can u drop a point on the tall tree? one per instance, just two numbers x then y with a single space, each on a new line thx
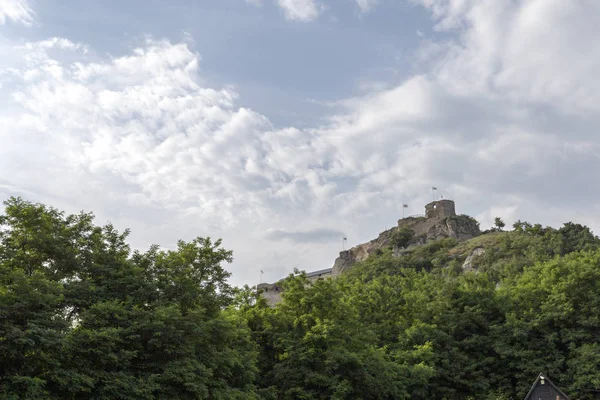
84 317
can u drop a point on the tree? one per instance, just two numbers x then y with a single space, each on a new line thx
552 323
402 237
84 317
576 237
521 227
314 346
498 223
38 252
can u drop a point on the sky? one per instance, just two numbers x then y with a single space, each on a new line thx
282 126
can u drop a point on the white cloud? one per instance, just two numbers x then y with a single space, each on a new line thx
17 11
142 118
496 119
55 43
366 5
297 10
539 51
318 235
300 10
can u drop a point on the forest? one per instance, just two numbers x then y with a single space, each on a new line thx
85 316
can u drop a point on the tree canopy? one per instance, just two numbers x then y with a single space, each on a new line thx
83 316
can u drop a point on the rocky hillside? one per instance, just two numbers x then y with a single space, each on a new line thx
439 222
410 232
443 239
447 319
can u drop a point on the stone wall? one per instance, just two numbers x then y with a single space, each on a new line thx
316 275
271 292
440 209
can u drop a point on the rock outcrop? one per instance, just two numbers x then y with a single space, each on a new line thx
470 263
361 252
440 221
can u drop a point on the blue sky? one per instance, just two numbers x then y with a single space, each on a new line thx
271 60
284 125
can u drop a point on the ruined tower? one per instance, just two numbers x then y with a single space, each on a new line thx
440 209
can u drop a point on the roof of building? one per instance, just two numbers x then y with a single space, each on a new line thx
537 381
319 272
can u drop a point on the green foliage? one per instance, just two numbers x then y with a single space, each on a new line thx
465 219
498 223
552 321
454 335
84 317
315 347
402 237
576 237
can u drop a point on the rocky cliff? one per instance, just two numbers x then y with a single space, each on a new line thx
361 252
440 222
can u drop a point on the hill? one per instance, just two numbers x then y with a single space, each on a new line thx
477 318
439 221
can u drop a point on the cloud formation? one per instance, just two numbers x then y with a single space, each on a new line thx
17 11
366 5
321 235
300 10
493 116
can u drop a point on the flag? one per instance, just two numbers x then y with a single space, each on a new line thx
345 238
261 271
434 188
405 205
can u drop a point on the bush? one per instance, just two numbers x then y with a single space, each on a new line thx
402 237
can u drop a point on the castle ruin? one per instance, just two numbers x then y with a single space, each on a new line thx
440 209
440 221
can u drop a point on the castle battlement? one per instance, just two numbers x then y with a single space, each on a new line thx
440 209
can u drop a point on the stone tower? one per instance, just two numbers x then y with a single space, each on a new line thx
440 209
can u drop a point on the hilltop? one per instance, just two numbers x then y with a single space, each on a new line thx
444 317
441 238
439 221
